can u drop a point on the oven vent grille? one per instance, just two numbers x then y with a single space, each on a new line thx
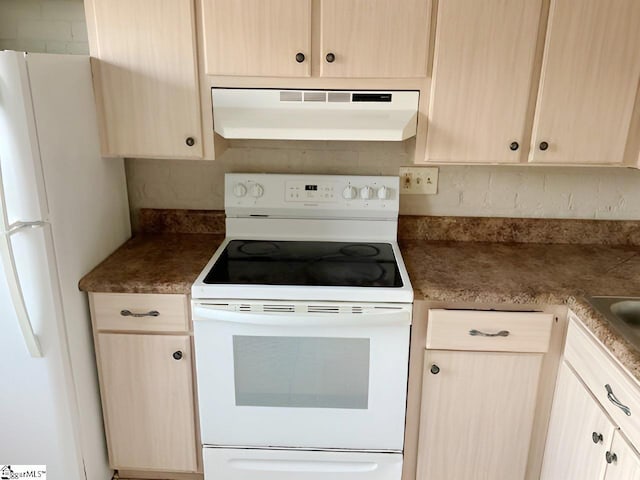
334 309
278 308
244 307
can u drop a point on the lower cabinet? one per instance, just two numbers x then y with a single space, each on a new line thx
145 367
623 462
479 394
579 433
583 442
148 401
587 437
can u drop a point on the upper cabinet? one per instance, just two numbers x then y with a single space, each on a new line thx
589 82
145 75
491 60
482 78
374 38
357 38
257 37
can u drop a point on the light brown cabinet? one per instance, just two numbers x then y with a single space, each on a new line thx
503 93
479 401
483 72
148 401
625 460
146 381
145 77
594 423
374 38
583 442
589 83
270 38
356 38
579 432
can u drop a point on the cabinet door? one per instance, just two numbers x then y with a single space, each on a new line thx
483 72
148 402
589 82
571 452
257 37
146 77
375 38
477 414
626 465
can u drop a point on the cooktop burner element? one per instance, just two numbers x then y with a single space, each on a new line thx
306 263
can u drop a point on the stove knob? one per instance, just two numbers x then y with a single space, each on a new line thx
383 193
257 190
239 190
349 192
365 192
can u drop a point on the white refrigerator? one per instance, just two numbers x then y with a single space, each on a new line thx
63 209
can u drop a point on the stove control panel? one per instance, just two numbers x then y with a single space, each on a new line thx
310 191
328 195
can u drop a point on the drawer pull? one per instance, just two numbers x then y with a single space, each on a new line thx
596 437
612 398
478 333
129 313
611 457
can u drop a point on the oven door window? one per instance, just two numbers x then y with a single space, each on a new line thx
301 372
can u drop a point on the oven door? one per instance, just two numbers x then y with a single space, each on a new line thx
289 378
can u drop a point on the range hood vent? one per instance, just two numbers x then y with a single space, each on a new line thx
273 114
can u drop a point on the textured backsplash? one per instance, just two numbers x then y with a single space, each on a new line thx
487 191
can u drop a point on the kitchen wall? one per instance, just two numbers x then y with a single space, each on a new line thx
604 193
513 191
53 26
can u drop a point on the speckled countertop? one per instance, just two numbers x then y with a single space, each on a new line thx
154 263
440 270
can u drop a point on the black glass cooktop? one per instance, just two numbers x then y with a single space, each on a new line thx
335 264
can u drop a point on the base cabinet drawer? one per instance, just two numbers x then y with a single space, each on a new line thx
489 331
148 402
138 312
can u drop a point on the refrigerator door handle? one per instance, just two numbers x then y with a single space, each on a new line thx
11 273
14 227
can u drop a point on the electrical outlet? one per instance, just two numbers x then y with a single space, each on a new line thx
418 180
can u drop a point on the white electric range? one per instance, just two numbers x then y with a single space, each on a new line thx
301 327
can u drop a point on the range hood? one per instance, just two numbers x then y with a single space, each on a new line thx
276 114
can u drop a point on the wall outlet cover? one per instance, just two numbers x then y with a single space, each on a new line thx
418 180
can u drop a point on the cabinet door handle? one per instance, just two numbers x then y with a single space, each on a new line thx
596 437
190 141
611 457
478 333
300 57
129 313
331 57
177 355
612 398
435 369
514 146
544 146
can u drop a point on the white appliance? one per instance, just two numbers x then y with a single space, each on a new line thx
276 114
62 210
301 328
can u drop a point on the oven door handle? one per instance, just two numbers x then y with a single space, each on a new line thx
386 317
